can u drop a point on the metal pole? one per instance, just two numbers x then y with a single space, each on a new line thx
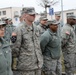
46 10
22 6
51 15
59 31
62 21
62 12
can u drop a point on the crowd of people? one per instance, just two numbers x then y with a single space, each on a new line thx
31 49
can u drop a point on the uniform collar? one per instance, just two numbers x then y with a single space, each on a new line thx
70 25
28 27
51 32
43 26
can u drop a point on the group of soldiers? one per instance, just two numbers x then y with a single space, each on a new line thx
31 49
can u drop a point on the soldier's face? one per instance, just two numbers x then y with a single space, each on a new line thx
57 18
54 27
2 30
9 22
30 17
6 21
72 21
43 22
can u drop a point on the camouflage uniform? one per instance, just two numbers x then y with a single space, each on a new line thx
42 26
8 33
50 47
68 48
8 30
41 29
7 53
75 44
27 50
5 57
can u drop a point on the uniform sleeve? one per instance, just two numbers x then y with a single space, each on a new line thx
65 34
43 42
16 46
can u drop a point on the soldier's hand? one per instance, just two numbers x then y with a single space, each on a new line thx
14 34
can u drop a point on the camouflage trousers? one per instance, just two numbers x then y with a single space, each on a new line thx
69 63
51 66
75 62
33 72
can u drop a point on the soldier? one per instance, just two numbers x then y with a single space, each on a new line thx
5 53
68 45
42 25
9 30
2 26
6 20
58 18
26 48
75 40
10 27
10 24
50 47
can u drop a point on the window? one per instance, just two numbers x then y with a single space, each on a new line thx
4 12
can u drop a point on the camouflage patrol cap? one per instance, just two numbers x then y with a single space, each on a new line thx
5 19
71 16
58 13
9 19
2 23
43 18
29 10
51 22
